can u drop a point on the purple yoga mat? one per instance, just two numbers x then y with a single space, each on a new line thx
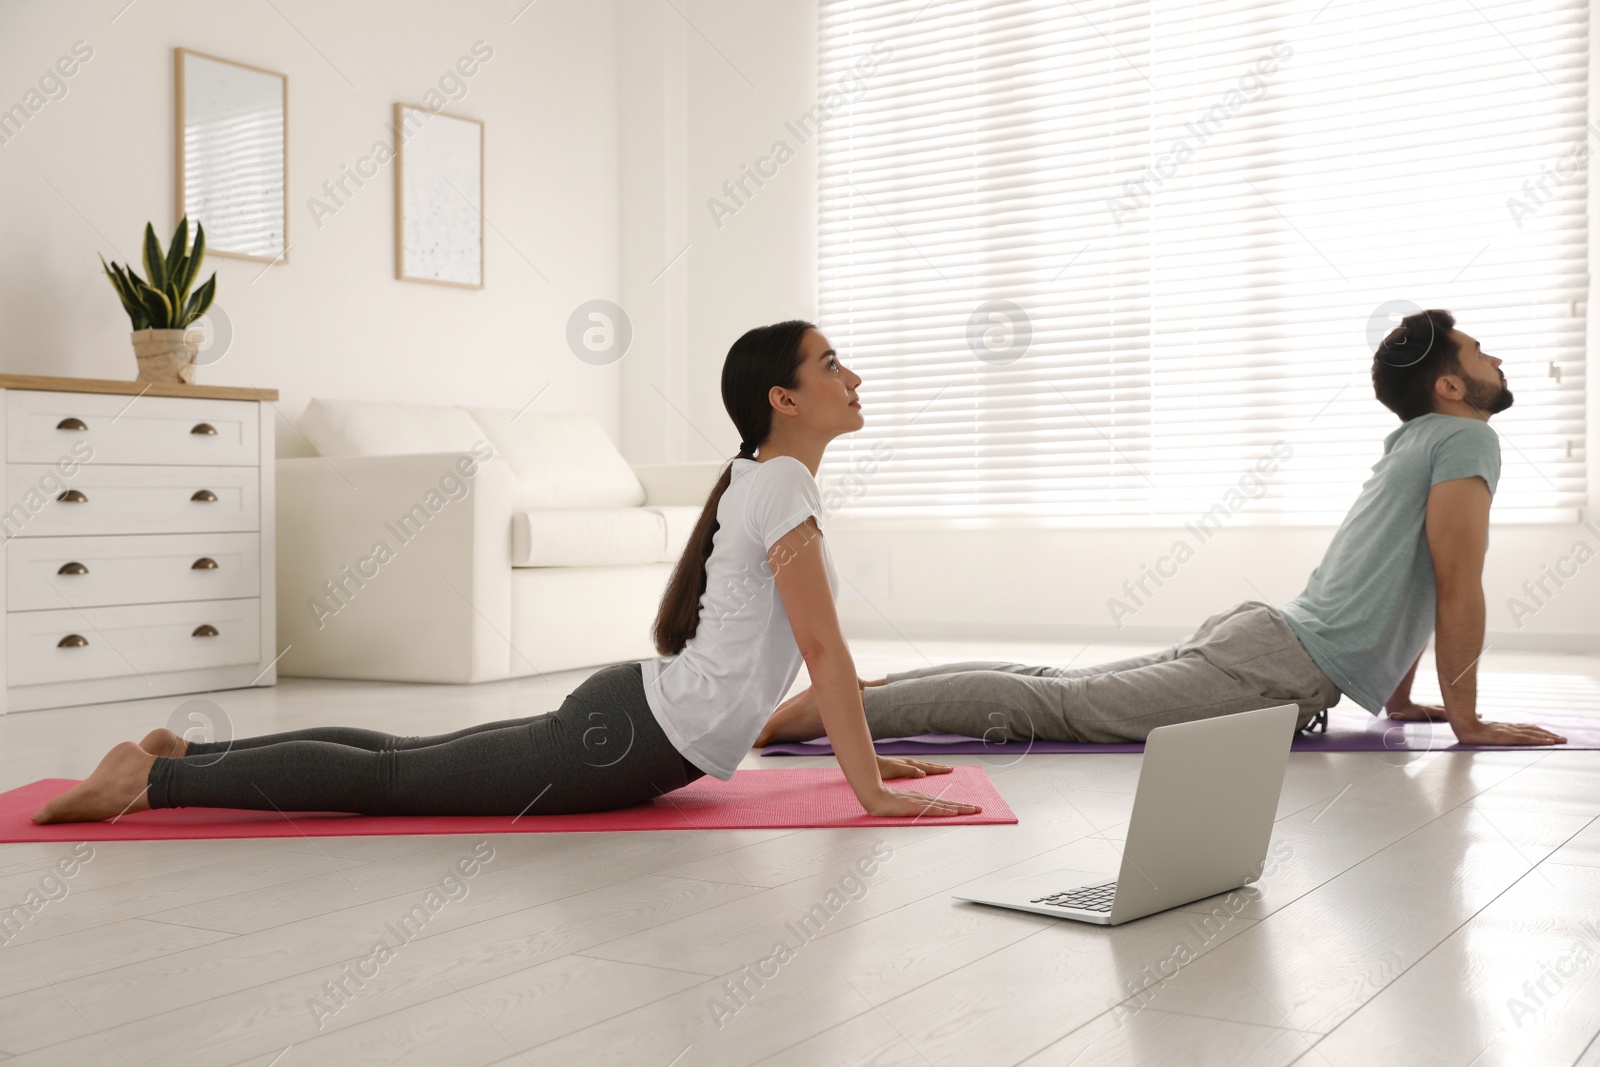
1348 731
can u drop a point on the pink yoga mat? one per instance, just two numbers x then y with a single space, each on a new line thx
794 797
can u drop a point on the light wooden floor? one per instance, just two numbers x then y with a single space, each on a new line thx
1429 908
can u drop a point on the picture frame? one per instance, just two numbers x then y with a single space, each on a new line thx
439 194
232 149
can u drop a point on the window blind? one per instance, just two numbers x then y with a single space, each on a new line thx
1109 262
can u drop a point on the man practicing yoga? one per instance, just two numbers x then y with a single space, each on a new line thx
1406 560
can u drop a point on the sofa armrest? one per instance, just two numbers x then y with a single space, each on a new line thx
396 568
668 484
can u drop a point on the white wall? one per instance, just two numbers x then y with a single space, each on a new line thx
703 92
710 89
89 169
609 126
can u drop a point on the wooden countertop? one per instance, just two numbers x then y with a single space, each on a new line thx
109 385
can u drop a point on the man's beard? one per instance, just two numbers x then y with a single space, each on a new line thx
1489 398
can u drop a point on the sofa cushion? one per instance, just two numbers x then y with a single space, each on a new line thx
370 428
560 461
679 525
599 537
586 537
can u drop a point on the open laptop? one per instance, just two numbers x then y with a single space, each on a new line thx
1202 820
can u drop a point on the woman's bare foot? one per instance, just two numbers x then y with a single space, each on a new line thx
796 719
117 786
163 742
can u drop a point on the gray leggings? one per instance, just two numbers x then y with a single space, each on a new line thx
602 749
1241 659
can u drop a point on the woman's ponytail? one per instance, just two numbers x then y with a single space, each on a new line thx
764 358
679 615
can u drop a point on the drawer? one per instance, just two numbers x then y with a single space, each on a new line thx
132 641
116 500
45 573
42 427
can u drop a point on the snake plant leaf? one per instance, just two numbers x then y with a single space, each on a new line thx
175 300
154 265
197 254
155 301
130 296
124 287
117 281
178 248
126 290
126 293
200 302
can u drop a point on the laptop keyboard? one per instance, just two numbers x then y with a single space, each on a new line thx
1088 898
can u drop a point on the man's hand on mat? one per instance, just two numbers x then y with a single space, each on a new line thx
1411 711
894 803
1478 733
1506 733
894 767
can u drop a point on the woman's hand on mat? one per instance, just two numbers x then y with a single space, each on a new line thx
1411 711
895 803
894 767
1506 733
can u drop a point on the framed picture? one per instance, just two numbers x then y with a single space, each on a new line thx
438 177
233 155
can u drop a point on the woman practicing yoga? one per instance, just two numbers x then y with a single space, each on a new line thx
751 597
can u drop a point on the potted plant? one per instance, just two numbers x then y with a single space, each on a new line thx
162 308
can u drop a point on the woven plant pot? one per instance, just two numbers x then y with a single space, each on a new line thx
165 355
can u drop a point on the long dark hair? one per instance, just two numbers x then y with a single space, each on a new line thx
764 357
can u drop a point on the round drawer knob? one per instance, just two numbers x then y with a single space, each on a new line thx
73 641
204 428
71 496
205 629
205 496
204 563
73 568
70 423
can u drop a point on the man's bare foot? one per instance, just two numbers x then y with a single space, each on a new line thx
163 742
117 786
1417 713
796 719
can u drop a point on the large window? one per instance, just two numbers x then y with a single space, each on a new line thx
1114 262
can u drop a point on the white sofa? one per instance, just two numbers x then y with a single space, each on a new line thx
430 543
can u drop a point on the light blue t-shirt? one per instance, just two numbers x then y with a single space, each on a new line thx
1368 610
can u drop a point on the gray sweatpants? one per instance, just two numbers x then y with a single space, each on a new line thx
1241 659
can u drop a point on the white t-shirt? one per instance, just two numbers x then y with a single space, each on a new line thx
712 698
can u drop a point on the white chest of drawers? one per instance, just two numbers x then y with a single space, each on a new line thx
138 529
